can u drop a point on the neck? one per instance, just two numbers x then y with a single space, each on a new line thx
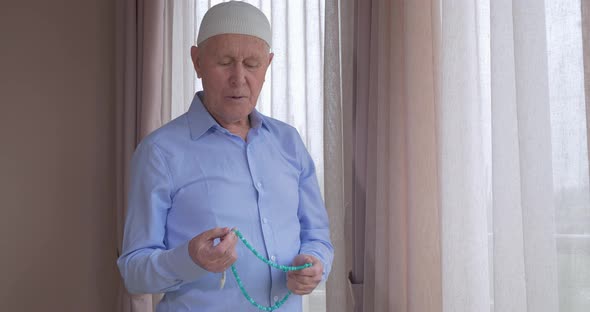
239 128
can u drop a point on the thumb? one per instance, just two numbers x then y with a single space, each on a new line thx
302 259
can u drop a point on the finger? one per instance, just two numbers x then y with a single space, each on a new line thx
302 259
312 281
298 288
304 272
303 280
303 283
311 271
230 260
214 233
223 264
228 241
315 269
229 233
218 255
230 255
227 246
293 286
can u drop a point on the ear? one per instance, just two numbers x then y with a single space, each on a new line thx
196 60
270 58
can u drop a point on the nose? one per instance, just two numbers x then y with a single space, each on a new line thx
238 75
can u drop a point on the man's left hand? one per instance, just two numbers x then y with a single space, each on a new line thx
304 281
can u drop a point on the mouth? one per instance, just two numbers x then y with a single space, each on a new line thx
236 97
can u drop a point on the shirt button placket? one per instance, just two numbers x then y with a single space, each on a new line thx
259 186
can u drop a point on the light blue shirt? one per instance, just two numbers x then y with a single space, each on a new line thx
192 175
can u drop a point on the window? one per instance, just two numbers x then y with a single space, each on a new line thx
569 146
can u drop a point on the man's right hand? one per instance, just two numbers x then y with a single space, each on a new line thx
211 257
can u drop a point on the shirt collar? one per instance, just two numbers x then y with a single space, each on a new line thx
257 120
200 121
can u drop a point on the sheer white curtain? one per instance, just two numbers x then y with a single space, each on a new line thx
569 137
468 149
293 91
524 253
543 219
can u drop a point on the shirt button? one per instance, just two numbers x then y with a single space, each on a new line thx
276 298
259 184
273 258
264 220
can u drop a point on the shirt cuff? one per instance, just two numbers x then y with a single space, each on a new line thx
321 255
180 263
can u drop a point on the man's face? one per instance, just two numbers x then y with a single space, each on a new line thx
232 68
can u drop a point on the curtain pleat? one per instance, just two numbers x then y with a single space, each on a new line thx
421 41
509 265
461 172
586 52
396 261
524 211
337 296
397 249
139 59
360 87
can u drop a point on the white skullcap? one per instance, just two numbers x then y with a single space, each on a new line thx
234 17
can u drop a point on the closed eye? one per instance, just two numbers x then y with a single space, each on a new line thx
224 61
252 65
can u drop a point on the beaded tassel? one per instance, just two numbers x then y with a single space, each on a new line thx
222 281
275 265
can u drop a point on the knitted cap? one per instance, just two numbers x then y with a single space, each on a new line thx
234 17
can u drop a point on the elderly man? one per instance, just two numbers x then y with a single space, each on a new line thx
221 170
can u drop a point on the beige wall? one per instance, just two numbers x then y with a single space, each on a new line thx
57 244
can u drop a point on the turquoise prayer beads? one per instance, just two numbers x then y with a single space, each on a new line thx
275 265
